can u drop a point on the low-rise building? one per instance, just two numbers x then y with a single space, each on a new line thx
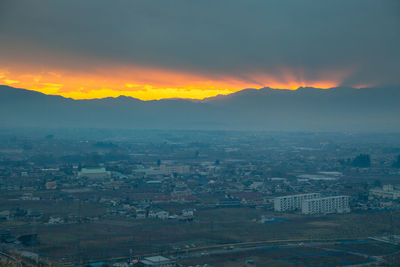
4 215
158 214
94 173
188 212
56 220
387 191
140 214
157 261
51 185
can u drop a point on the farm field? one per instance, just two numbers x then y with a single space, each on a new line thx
110 237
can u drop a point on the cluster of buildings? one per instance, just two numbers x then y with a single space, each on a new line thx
387 191
170 177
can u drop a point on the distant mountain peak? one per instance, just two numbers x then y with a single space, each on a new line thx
304 109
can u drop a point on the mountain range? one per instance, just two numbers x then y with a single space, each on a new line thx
304 109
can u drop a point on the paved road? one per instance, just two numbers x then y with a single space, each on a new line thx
277 244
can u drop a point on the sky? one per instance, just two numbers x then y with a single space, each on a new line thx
153 49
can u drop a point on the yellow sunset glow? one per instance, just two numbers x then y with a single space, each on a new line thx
151 84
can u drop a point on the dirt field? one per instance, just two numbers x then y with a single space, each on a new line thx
114 236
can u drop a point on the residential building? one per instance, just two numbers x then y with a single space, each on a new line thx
324 205
293 202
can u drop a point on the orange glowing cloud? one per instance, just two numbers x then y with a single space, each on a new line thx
151 83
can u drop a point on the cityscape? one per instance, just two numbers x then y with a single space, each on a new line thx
162 198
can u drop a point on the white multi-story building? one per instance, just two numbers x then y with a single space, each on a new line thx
324 205
293 202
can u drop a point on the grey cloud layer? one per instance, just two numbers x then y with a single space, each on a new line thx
210 36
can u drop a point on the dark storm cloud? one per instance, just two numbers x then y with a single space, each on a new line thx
209 36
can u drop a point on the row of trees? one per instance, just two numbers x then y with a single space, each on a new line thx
364 161
396 164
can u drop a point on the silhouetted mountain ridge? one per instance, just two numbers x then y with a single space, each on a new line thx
304 109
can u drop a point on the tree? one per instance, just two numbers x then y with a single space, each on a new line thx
49 136
396 164
362 161
377 183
